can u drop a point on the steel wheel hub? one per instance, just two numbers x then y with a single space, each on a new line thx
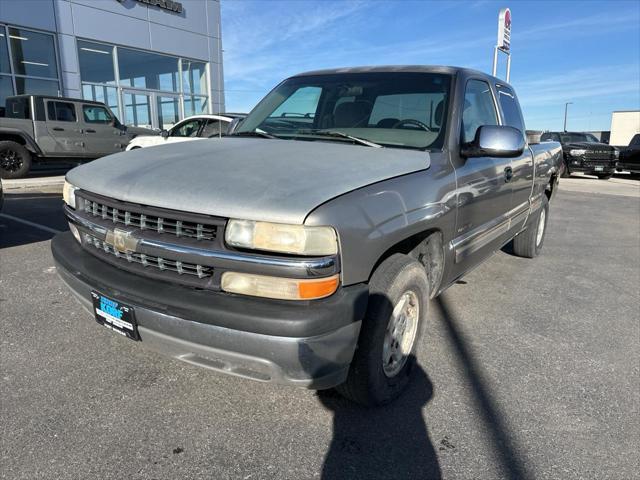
401 334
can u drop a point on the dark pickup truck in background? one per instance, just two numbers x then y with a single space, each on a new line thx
303 249
41 128
630 156
583 152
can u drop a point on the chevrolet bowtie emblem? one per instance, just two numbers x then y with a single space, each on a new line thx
122 240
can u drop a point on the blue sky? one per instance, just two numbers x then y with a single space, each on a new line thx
585 52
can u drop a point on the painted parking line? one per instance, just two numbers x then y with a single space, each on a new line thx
31 224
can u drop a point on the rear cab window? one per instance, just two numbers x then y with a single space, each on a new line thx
61 111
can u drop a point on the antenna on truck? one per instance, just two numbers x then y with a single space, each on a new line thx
504 40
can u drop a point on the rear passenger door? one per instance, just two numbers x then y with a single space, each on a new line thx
522 166
483 191
65 132
101 135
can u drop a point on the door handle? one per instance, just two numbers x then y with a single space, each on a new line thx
508 174
90 130
58 129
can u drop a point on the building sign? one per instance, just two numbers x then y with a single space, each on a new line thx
168 5
504 30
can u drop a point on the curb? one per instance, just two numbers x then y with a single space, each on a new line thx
32 183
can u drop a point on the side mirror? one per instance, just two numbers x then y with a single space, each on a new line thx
164 133
495 141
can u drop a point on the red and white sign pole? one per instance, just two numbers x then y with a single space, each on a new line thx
504 40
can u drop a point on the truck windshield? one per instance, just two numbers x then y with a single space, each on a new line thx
578 137
390 109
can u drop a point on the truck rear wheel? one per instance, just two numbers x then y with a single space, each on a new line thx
529 243
15 160
385 355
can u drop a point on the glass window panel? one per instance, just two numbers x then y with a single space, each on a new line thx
213 128
148 70
34 86
168 112
61 111
106 95
96 62
188 128
479 109
6 90
95 114
33 53
4 52
137 109
194 77
195 105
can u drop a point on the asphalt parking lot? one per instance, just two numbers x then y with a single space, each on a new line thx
529 369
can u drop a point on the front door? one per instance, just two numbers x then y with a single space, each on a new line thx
65 135
102 137
137 109
484 191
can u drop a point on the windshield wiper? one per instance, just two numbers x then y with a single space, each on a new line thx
334 133
253 133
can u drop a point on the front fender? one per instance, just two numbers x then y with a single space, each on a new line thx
373 219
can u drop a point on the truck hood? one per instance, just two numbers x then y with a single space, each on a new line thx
248 178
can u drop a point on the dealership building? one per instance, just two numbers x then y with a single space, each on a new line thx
153 62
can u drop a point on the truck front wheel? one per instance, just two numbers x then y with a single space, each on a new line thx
385 355
15 160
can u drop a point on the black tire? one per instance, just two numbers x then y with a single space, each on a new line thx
604 176
15 160
367 383
527 244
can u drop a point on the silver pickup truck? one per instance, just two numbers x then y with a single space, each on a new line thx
40 128
304 248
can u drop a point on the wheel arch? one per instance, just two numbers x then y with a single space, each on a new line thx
18 136
427 247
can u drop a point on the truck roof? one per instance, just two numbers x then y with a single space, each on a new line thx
403 68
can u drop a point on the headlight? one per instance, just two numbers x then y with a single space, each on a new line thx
280 288
282 238
616 154
69 194
577 152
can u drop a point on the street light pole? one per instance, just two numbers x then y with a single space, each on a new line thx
566 105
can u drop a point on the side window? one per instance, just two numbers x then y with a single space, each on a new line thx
510 108
95 114
545 137
186 129
61 111
213 128
479 109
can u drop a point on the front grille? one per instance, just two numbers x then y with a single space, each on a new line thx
150 261
165 225
599 155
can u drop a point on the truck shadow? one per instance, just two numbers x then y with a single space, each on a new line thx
388 442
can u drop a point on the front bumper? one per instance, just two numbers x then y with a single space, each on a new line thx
307 344
578 164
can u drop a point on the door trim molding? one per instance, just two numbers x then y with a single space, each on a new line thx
467 244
